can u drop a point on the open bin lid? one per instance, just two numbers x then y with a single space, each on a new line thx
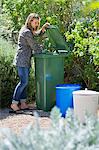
56 39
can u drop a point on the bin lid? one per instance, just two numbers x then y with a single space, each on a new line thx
85 92
68 86
56 39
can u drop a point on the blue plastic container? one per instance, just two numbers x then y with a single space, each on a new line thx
64 96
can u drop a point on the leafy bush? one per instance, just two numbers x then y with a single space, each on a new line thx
5 22
55 11
85 56
8 74
63 134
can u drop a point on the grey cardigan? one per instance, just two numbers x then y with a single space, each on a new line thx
27 45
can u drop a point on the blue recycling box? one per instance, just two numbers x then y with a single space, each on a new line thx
64 96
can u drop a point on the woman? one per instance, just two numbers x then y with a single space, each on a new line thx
26 47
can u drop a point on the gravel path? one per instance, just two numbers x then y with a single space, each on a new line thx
18 121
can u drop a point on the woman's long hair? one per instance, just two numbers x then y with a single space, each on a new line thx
30 18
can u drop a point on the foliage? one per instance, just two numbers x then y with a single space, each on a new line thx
63 134
89 6
7 74
84 37
54 11
5 32
5 28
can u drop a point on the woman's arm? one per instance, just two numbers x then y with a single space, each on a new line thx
42 30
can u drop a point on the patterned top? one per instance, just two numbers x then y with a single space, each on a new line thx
27 45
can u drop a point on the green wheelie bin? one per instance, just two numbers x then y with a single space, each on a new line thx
49 71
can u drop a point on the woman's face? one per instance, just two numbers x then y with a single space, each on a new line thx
35 23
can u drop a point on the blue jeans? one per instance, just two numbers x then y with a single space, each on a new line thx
20 92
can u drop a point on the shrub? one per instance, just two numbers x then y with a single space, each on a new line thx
55 11
8 75
85 57
63 134
5 31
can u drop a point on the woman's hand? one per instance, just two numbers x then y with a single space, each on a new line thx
45 26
